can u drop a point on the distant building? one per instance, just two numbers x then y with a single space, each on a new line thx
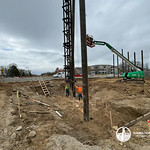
99 69
78 70
103 69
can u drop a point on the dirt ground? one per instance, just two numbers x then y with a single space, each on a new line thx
41 128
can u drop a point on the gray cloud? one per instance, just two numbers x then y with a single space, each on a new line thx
123 24
31 31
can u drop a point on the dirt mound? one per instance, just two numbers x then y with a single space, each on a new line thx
66 142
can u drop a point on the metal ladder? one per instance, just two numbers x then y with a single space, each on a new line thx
43 86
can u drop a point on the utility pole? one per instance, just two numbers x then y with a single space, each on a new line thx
72 39
84 60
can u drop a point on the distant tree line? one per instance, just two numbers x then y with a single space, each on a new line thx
13 71
47 74
52 73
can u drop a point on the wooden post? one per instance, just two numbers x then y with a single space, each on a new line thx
18 104
148 121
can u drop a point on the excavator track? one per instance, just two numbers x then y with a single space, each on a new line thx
134 81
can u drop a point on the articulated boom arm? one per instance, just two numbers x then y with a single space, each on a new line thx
122 57
91 43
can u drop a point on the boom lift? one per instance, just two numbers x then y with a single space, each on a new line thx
137 74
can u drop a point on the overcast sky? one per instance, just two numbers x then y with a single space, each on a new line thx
31 32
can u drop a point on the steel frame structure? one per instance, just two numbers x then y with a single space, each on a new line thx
67 25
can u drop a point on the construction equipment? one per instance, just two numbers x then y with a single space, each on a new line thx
137 74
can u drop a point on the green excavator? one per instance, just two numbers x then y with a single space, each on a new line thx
138 74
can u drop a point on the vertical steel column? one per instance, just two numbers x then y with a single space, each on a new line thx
72 60
128 59
122 62
134 58
142 63
84 60
125 66
118 65
114 65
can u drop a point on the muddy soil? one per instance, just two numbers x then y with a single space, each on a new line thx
40 127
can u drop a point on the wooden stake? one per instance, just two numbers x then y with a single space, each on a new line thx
95 100
81 109
74 102
78 103
106 106
110 118
18 104
148 121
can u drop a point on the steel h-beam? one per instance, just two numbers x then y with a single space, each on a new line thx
118 65
128 59
67 19
135 58
122 62
142 63
72 57
114 65
84 60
